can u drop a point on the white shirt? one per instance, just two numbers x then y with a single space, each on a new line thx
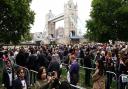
24 84
10 78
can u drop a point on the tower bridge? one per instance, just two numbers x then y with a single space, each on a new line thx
70 17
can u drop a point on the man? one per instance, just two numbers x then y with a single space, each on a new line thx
54 65
87 63
8 75
74 71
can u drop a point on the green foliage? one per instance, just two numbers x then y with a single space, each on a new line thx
26 37
16 18
108 20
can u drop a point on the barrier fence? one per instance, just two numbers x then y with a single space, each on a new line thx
33 77
77 87
123 81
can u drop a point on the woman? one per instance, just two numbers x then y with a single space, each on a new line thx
98 76
43 82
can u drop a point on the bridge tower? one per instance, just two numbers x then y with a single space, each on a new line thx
70 22
50 26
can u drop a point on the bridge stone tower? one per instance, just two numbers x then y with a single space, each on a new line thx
49 26
70 22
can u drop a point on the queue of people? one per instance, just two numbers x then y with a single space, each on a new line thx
47 59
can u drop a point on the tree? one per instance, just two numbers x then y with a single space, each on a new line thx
108 20
27 37
16 18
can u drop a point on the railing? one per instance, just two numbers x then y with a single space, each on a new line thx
77 87
123 81
33 77
114 75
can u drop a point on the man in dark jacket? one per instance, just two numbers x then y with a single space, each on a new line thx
20 58
8 75
42 60
54 66
32 61
74 71
87 63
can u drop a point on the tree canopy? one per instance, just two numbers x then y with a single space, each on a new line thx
16 19
109 20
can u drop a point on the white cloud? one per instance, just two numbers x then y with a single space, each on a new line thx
42 7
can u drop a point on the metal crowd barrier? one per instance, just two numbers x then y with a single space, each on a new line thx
115 76
123 81
77 87
87 68
33 77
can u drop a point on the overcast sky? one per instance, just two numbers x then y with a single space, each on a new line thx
42 7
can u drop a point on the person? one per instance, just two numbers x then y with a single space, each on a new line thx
11 58
65 85
20 82
8 75
123 69
74 71
109 67
98 77
87 63
42 59
43 81
55 80
54 66
20 58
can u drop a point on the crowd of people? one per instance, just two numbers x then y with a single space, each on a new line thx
47 60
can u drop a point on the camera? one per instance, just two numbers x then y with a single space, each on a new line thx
51 73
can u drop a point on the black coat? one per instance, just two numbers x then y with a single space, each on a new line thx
21 59
87 61
42 60
54 66
5 77
17 84
32 62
